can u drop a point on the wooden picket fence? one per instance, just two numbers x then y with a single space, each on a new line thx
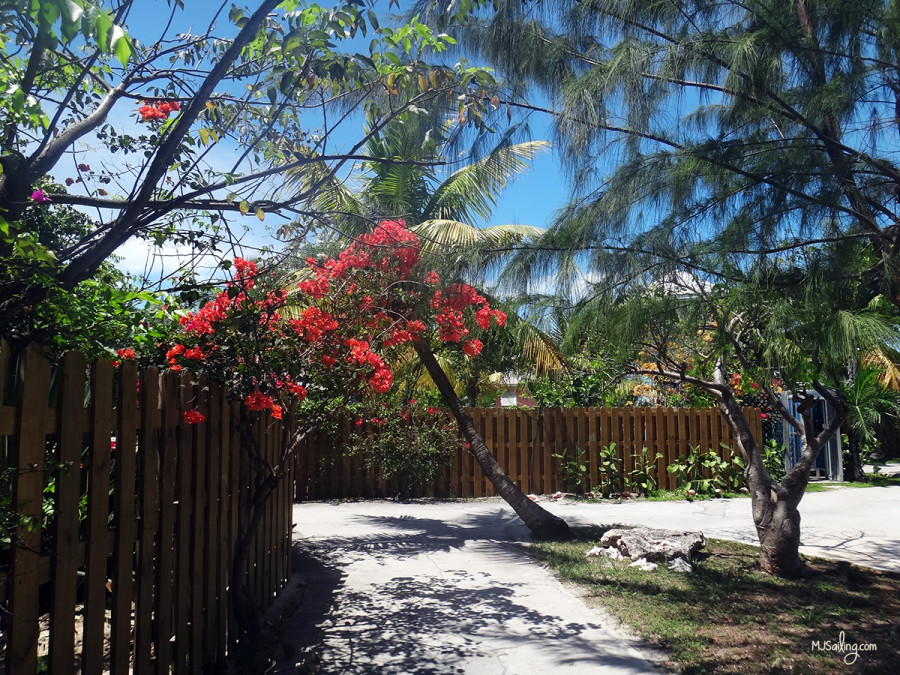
127 571
524 442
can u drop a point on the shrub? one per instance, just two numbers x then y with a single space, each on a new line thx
706 472
410 444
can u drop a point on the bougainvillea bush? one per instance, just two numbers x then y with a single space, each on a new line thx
334 333
310 350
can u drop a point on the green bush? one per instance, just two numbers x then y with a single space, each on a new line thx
642 478
574 472
706 472
410 444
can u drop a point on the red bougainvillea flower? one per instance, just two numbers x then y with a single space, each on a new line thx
158 111
258 401
277 412
381 381
40 197
246 272
177 350
194 353
127 353
298 390
472 348
194 417
432 279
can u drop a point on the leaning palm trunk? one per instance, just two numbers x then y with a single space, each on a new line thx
543 524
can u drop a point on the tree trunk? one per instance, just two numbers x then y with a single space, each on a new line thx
855 470
777 523
543 524
775 513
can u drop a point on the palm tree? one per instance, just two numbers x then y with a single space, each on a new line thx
403 179
868 401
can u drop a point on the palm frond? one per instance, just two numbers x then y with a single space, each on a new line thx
472 192
887 362
437 234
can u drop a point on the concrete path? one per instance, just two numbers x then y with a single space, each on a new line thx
442 588
450 588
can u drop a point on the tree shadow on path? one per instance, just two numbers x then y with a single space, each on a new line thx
401 597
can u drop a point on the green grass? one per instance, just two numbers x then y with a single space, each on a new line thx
875 480
681 495
727 616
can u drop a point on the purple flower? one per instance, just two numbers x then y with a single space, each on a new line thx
40 197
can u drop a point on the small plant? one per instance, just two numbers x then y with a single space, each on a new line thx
732 471
574 472
773 459
707 472
612 479
642 478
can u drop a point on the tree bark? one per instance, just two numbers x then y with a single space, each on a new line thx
855 470
542 523
774 505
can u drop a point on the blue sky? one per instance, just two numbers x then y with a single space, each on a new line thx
531 199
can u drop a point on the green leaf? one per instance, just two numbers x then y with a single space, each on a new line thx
102 29
244 207
121 45
286 82
89 21
71 11
260 214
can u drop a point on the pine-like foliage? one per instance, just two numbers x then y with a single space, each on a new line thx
712 135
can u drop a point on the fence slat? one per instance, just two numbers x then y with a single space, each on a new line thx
126 524
183 528
199 504
167 511
67 556
477 475
238 472
97 518
223 468
27 495
211 526
149 463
